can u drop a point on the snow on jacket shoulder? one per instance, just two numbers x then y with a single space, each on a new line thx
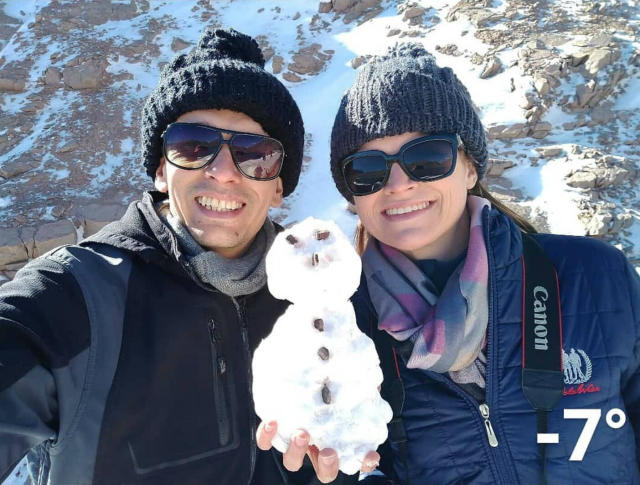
119 366
600 300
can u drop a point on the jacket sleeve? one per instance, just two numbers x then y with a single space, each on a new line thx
631 378
43 324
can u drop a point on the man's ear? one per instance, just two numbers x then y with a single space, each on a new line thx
276 201
161 177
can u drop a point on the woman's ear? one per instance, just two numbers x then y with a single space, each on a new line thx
471 174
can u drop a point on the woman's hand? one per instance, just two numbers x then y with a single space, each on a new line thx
325 461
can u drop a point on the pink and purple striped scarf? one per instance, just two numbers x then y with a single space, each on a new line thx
442 332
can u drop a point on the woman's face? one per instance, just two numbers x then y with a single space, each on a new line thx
424 220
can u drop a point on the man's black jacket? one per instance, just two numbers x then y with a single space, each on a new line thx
117 366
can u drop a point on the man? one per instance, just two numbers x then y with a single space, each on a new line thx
126 359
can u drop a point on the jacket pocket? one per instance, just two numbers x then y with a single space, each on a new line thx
219 373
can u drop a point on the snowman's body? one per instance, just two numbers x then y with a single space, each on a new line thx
316 370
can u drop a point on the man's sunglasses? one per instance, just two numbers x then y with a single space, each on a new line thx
192 146
424 159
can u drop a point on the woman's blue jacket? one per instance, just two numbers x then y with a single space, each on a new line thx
600 300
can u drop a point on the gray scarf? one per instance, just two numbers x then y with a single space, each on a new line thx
233 277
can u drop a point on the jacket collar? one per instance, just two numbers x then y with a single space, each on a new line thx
503 238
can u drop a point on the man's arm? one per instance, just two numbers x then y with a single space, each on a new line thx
43 325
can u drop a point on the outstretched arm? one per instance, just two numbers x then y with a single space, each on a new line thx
43 324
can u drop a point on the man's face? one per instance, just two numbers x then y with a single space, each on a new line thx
222 209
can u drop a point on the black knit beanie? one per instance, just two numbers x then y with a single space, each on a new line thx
224 71
401 92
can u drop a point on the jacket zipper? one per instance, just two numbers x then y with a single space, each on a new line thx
218 367
493 440
481 413
252 419
505 469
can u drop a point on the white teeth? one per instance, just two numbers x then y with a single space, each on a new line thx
405 210
219 205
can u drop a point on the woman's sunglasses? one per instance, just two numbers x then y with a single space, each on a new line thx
424 159
192 146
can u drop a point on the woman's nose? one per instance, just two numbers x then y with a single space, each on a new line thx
398 180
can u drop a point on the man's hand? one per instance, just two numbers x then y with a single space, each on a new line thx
325 462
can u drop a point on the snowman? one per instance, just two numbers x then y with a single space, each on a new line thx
332 389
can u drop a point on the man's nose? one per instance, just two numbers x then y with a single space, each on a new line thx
222 168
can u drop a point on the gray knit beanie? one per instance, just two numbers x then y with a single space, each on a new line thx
401 92
224 71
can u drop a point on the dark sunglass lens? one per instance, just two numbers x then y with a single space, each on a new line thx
430 159
257 156
365 174
191 146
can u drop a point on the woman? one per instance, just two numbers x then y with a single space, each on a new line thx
443 275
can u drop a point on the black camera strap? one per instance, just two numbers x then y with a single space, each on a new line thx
542 377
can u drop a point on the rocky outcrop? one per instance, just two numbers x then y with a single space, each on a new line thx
74 75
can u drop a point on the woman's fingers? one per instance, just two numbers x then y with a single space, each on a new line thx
298 446
325 463
370 462
265 434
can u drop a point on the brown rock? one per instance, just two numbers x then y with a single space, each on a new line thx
179 44
393 32
542 86
325 7
12 249
267 53
491 68
356 62
14 167
600 58
291 77
309 60
541 129
413 12
578 58
277 64
342 5
449 49
602 113
584 93
52 76
497 167
7 84
87 75
54 234
96 216
582 180
528 101
549 152
507 132
598 224
534 114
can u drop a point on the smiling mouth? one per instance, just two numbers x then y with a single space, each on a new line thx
218 205
405 210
